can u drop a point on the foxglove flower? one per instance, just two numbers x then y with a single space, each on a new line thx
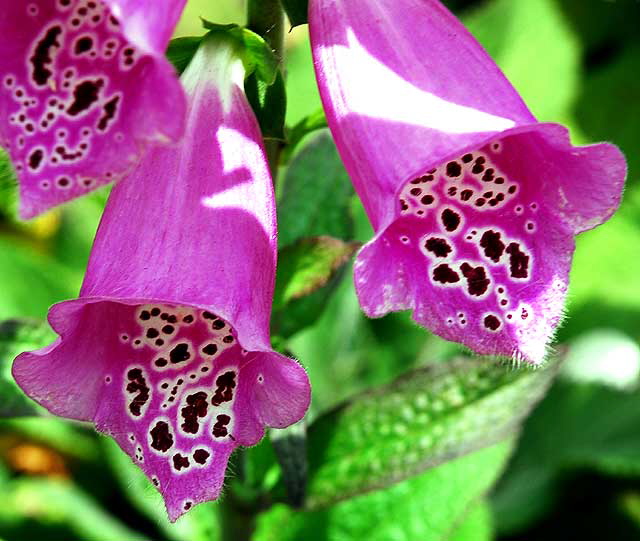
474 203
167 349
84 86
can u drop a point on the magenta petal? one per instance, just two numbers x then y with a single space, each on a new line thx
474 203
167 349
148 24
79 97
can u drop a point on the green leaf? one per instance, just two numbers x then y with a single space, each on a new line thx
315 196
427 417
17 336
296 11
269 103
427 507
48 509
256 54
181 51
8 187
308 272
31 280
536 49
304 127
476 525
576 427
308 265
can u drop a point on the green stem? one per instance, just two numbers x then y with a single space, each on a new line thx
266 18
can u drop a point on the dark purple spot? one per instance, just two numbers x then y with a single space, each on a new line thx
427 200
478 166
524 314
415 191
477 281
450 219
108 113
518 261
225 384
41 57
180 353
467 158
217 325
445 274
512 189
452 191
493 246
487 194
152 333
155 312
220 428
453 169
145 315
35 159
499 180
489 175
196 407
161 438
210 349
137 384
82 45
180 461
160 362
403 205
480 202
465 195
208 315
188 319
439 247
84 96
201 456
491 322
228 339
168 329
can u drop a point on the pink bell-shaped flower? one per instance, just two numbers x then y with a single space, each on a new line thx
167 348
474 203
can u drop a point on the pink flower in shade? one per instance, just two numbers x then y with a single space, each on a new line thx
84 86
167 349
474 203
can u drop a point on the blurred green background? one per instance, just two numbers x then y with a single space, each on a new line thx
575 470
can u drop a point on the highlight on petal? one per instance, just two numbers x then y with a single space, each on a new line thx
79 99
148 24
475 205
168 349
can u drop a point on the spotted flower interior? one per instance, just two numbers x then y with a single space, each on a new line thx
470 243
171 383
76 99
